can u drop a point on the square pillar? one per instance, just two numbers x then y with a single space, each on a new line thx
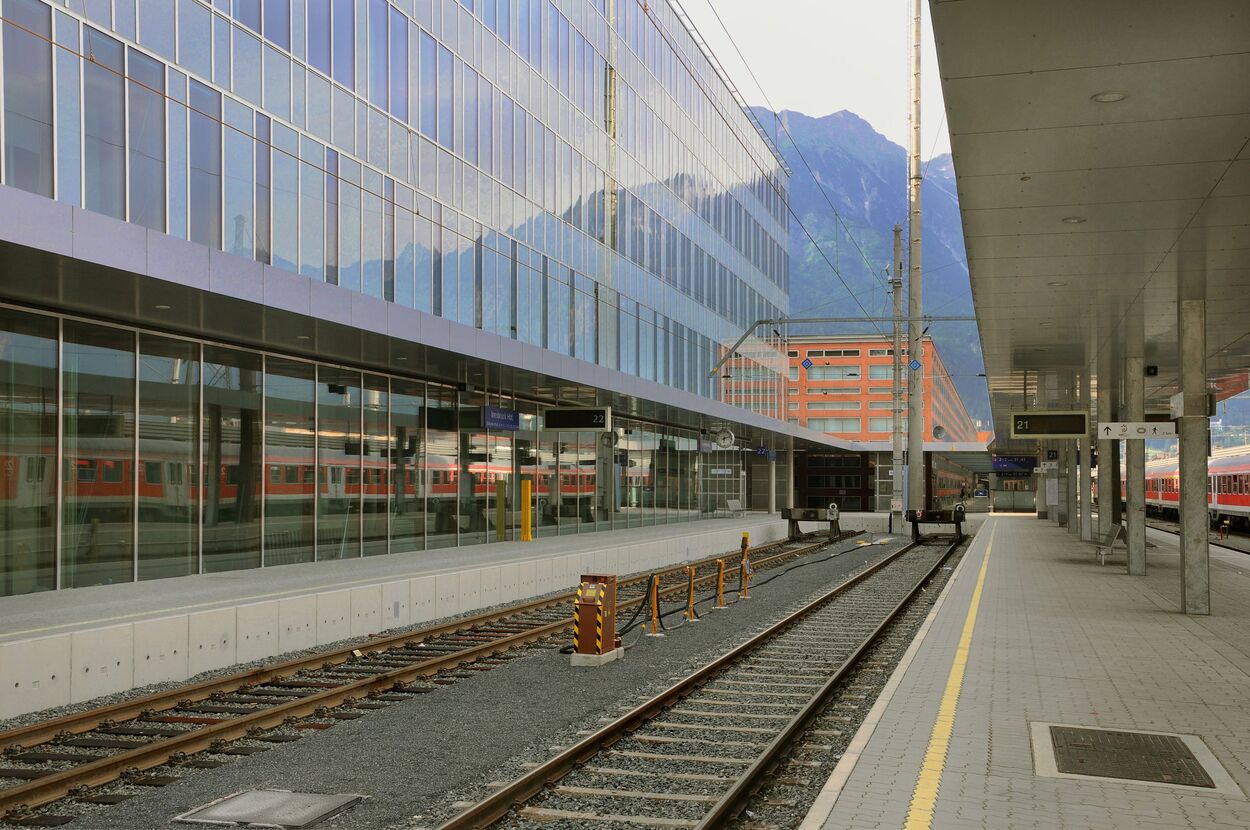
1194 426
1135 463
772 483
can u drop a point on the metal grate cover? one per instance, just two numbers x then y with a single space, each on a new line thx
1135 756
271 808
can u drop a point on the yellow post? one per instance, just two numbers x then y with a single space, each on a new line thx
690 615
720 583
527 534
744 568
501 509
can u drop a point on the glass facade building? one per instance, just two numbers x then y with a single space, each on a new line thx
576 176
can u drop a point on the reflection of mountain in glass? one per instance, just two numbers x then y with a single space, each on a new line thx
864 175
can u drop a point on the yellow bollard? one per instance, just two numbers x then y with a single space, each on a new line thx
527 533
720 583
744 568
655 608
501 509
690 615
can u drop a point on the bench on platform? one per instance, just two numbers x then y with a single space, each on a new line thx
1104 547
734 507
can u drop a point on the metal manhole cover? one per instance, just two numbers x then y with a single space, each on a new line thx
1136 756
271 808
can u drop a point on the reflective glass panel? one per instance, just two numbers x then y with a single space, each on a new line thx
408 486
376 465
339 454
98 417
290 462
474 471
28 96
232 459
169 457
205 208
147 141
104 118
441 466
28 468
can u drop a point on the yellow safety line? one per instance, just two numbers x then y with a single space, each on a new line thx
924 796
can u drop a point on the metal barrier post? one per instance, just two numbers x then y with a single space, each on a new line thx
690 615
527 534
595 613
744 568
720 584
655 608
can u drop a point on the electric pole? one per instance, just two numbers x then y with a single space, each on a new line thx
896 468
915 305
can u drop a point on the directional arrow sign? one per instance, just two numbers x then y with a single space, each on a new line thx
1135 430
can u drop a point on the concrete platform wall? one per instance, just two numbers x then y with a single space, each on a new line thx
103 659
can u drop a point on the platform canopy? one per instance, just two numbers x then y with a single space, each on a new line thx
1102 153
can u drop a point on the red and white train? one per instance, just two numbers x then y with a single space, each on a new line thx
1228 487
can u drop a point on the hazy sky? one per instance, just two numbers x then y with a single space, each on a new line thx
821 56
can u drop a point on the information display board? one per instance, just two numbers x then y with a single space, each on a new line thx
1050 423
580 418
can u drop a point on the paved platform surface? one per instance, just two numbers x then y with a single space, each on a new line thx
1042 634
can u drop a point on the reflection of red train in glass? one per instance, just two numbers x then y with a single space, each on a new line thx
1228 487
100 476
948 482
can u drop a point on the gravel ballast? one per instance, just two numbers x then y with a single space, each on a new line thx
414 759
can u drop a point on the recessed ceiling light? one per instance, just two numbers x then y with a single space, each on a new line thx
1057 284
162 307
1108 97
401 357
1026 178
1074 220
302 337
1044 323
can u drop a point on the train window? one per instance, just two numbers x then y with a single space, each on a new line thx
111 471
36 468
353 475
232 474
152 472
308 475
86 470
291 474
275 474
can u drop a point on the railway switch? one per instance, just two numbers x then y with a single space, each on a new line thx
595 641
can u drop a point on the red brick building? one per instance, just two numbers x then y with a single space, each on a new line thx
847 391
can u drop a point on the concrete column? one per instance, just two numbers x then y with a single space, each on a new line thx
772 483
1108 483
1135 462
1087 480
1117 506
1061 475
1074 487
790 479
1191 309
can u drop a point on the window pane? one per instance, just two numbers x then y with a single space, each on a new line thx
311 217
318 16
205 212
278 22
285 209
344 43
338 462
290 464
195 38
147 142
97 543
156 27
399 65
232 459
377 452
472 478
103 126
440 467
247 12
377 53
429 85
28 467
408 476
169 457
28 96
446 120
240 193
68 113
247 74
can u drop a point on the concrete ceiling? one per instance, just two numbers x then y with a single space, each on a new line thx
1155 188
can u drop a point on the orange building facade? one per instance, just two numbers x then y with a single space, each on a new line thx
847 390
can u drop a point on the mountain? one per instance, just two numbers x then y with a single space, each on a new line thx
864 175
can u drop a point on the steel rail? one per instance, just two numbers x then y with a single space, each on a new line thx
79 722
734 801
49 788
497 805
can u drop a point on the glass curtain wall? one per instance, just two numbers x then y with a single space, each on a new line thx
183 457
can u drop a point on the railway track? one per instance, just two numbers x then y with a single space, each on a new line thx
1237 542
246 712
694 755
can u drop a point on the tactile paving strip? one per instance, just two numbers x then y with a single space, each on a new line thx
1134 756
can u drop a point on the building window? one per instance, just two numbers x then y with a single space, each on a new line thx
833 373
834 424
841 404
880 372
205 193
104 118
147 141
880 424
28 96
